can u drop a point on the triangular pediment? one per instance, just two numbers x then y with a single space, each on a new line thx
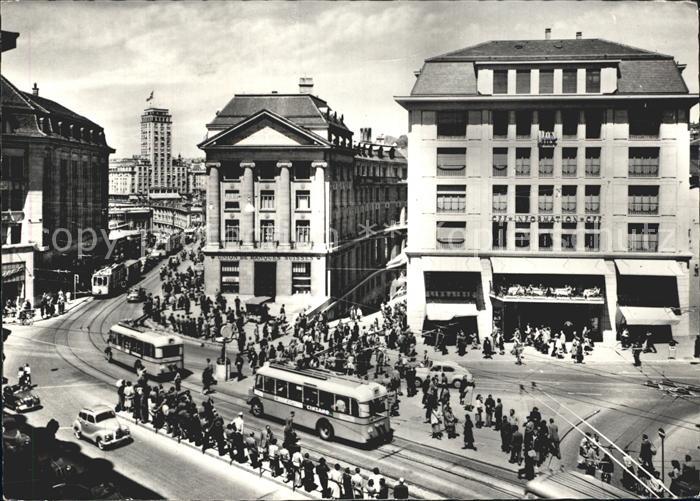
268 136
265 129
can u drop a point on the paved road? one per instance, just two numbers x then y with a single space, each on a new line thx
68 364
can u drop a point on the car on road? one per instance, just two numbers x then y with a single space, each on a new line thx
136 295
453 371
19 398
100 425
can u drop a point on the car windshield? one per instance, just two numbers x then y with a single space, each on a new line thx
104 416
377 407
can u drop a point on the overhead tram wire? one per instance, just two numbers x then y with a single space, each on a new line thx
641 482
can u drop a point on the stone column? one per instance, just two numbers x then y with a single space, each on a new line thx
318 204
213 205
283 204
248 204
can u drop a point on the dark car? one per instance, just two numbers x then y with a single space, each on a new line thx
20 399
13 440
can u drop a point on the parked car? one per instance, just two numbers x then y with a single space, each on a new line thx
136 295
100 425
452 370
20 398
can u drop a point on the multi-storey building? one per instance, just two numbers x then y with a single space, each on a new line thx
548 184
284 212
197 180
54 191
122 176
156 145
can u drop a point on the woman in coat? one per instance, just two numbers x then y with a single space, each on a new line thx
468 433
436 422
450 421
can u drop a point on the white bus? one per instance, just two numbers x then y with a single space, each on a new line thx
334 406
110 280
160 354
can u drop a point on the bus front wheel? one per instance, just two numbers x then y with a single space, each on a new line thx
256 408
325 430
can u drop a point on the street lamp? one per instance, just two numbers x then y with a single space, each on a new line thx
223 364
662 435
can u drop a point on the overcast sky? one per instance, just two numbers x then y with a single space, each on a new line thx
102 59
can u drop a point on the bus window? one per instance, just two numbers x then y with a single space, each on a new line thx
342 404
354 411
269 385
281 388
377 407
325 400
310 396
149 350
137 346
295 392
170 351
258 382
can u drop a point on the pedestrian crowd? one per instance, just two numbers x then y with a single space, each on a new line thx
175 412
50 305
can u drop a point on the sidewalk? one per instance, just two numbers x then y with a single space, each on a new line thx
70 305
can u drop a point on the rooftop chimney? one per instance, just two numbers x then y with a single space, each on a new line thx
35 90
579 35
547 33
306 85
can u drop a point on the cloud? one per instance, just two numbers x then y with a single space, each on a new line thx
102 59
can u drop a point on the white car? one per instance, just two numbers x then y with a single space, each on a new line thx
101 425
453 371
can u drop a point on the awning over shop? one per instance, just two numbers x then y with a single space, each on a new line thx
548 266
451 263
637 315
398 261
447 311
12 272
649 267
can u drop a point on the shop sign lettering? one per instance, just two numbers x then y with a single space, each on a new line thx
546 218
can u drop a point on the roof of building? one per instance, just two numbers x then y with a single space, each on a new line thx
305 110
164 196
25 107
640 71
553 49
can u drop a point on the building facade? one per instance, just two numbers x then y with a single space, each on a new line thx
127 216
283 208
197 180
54 192
122 176
548 184
156 146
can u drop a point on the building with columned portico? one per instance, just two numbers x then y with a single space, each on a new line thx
548 184
288 213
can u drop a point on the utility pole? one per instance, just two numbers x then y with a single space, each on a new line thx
662 435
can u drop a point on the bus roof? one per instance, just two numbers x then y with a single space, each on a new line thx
324 380
152 337
574 485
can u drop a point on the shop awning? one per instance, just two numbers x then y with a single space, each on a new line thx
451 263
637 315
548 266
397 261
12 272
447 311
649 267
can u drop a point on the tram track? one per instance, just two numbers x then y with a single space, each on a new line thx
436 468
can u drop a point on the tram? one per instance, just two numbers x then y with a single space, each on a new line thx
110 280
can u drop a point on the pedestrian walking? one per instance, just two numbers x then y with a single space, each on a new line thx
436 422
554 439
516 445
498 414
322 471
489 406
401 490
637 352
647 451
